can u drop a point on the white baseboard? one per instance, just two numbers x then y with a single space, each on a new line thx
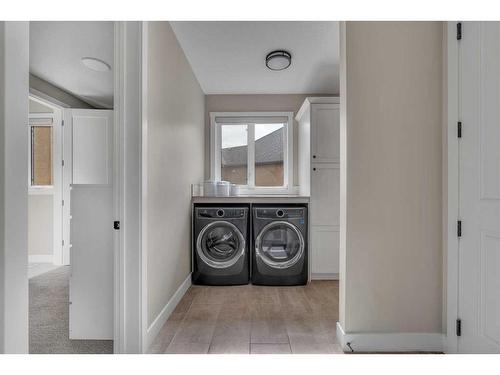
48 258
390 342
324 276
155 327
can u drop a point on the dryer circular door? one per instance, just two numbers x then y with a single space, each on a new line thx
220 244
280 245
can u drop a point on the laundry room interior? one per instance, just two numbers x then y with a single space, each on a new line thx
240 187
261 220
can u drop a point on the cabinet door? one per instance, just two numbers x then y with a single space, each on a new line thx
325 133
325 252
89 156
325 194
91 146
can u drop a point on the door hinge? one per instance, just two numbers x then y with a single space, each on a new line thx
62 123
63 242
459 228
459 327
459 31
63 202
459 129
116 225
62 163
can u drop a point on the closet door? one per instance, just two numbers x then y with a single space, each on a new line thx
479 182
325 133
89 149
325 194
325 215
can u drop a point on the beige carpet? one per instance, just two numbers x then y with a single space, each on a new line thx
49 318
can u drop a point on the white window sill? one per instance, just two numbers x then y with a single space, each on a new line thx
41 190
268 191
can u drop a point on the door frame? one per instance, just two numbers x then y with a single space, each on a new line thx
128 296
60 252
451 183
127 140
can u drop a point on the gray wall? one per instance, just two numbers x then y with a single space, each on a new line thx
36 107
391 241
253 103
14 61
56 93
175 160
2 181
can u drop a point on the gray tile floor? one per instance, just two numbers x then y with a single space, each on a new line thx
253 320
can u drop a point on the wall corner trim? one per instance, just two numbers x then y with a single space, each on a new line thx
390 342
155 327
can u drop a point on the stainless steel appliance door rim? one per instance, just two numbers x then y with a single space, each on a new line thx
271 263
223 264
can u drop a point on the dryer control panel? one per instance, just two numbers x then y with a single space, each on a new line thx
280 213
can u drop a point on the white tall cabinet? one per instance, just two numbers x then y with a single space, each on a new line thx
319 177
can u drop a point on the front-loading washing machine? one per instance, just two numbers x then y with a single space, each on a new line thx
220 245
279 249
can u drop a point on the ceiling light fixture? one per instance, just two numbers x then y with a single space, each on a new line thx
278 60
95 64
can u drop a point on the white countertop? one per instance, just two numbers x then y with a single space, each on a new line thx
281 198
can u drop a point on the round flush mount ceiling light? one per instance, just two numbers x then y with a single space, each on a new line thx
278 60
95 64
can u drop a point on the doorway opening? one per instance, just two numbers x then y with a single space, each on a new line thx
71 187
46 250
271 128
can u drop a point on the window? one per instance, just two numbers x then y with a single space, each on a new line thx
253 150
40 157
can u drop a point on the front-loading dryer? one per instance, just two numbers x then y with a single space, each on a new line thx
279 249
220 245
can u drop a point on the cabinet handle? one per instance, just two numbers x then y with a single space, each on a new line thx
314 169
314 156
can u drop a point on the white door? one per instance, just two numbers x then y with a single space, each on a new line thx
325 243
325 224
89 154
479 201
325 133
325 194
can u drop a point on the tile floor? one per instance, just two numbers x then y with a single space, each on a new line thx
253 320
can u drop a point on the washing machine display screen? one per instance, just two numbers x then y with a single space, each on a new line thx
280 243
221 243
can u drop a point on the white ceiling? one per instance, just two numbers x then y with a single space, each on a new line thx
229 57
56 50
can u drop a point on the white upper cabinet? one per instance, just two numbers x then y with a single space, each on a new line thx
325 133
91 146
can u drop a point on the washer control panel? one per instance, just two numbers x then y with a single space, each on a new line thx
221 212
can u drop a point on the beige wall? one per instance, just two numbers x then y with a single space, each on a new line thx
40 225
391 263
175 160
253 103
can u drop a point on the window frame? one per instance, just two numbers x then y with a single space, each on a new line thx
40 189
250 188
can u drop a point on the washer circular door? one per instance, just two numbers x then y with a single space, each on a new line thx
220 244
280 245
